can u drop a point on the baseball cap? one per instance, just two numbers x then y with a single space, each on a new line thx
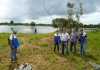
14 30
75 28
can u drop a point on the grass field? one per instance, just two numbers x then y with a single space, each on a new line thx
37 50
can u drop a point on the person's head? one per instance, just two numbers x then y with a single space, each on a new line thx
14 31
81 30
64 30
74 30
57 31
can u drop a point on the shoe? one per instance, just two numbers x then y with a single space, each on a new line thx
12 60
16 58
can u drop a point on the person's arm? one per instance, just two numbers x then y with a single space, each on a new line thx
12 46
78 37
60 39
68 39
85 39
11 37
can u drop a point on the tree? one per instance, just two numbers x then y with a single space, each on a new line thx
70 7
78 14
11 22
59 23
70 12
32 23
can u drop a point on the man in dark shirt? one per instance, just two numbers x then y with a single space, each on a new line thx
82 40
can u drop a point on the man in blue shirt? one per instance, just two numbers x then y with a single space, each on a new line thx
56 40
13 45
73 39
82 39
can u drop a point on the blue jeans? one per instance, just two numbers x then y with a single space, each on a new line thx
56 44
71 45
13 54
82 48
64 45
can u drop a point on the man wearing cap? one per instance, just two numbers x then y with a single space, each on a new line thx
13 45
65 41
82 39
73 39
56 41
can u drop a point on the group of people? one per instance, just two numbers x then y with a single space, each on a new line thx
65 39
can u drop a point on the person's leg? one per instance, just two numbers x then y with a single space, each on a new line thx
15 53
66 46
58 47
62 43
74 47
12 54
55 47
81 48
84 49
71 45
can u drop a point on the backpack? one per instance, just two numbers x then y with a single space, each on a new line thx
9 39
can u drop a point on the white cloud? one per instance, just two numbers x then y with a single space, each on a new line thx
33 10
93 18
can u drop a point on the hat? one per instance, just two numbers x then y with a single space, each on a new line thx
14 30
75 28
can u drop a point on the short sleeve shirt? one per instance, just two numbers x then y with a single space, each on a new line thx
12 36
74 37
65 37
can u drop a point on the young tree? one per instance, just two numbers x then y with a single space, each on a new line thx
70 7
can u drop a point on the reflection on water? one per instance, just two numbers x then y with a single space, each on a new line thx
27 29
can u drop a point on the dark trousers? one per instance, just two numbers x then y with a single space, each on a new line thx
71 45
64 45
56 45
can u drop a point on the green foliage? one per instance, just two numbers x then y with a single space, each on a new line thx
32 23
59 23
95 31
11 22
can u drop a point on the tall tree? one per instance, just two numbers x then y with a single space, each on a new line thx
32 23
59 23
11 22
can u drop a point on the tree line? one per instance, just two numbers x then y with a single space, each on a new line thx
26 24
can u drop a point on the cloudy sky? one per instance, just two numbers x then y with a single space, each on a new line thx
33 10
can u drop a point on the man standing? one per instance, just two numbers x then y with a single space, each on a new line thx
13 45
65 41
82 39
56 41
73 39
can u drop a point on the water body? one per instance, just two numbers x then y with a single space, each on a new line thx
27 29
30 29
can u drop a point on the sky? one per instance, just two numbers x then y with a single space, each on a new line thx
26 11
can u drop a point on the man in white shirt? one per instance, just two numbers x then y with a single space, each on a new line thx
13 45
65 41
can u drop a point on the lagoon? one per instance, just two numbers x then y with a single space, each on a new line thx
30 29
27 29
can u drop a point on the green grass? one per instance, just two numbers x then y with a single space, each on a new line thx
37 50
